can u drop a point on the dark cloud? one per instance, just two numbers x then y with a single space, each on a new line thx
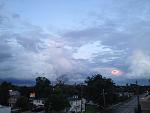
4 56
30 42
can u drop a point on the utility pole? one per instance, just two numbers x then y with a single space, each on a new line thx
81 96
149 87
138 99
104 98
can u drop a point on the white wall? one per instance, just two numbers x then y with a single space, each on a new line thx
76 105
38 102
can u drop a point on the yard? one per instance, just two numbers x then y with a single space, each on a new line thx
91 109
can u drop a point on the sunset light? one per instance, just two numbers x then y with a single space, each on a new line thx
116 72
74 56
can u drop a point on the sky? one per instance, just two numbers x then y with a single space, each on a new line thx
75 39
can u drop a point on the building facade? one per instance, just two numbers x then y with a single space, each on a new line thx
77 104
13 97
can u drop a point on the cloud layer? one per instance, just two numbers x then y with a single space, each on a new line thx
116 36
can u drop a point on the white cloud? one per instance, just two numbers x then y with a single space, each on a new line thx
139 65
90 50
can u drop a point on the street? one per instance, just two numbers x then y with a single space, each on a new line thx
127 107
33 112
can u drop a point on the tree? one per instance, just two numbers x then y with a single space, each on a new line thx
4 93
25 90
66 90
56 103
43 87
23 103
95 87
61 80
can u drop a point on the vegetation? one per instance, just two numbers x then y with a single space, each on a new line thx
91 109
98 87
56 102
43 87
4 95
54 97
23 103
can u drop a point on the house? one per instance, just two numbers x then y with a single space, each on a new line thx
76 104
32 95
13 97
127 94
38 102
5 109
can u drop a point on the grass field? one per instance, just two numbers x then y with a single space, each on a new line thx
91 109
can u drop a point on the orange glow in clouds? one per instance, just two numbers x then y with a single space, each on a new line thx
116 72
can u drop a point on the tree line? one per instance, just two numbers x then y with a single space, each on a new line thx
99 89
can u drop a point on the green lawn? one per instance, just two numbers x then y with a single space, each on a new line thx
91 109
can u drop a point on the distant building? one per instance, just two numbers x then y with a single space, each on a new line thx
5 109
127 94
13 97
77 104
